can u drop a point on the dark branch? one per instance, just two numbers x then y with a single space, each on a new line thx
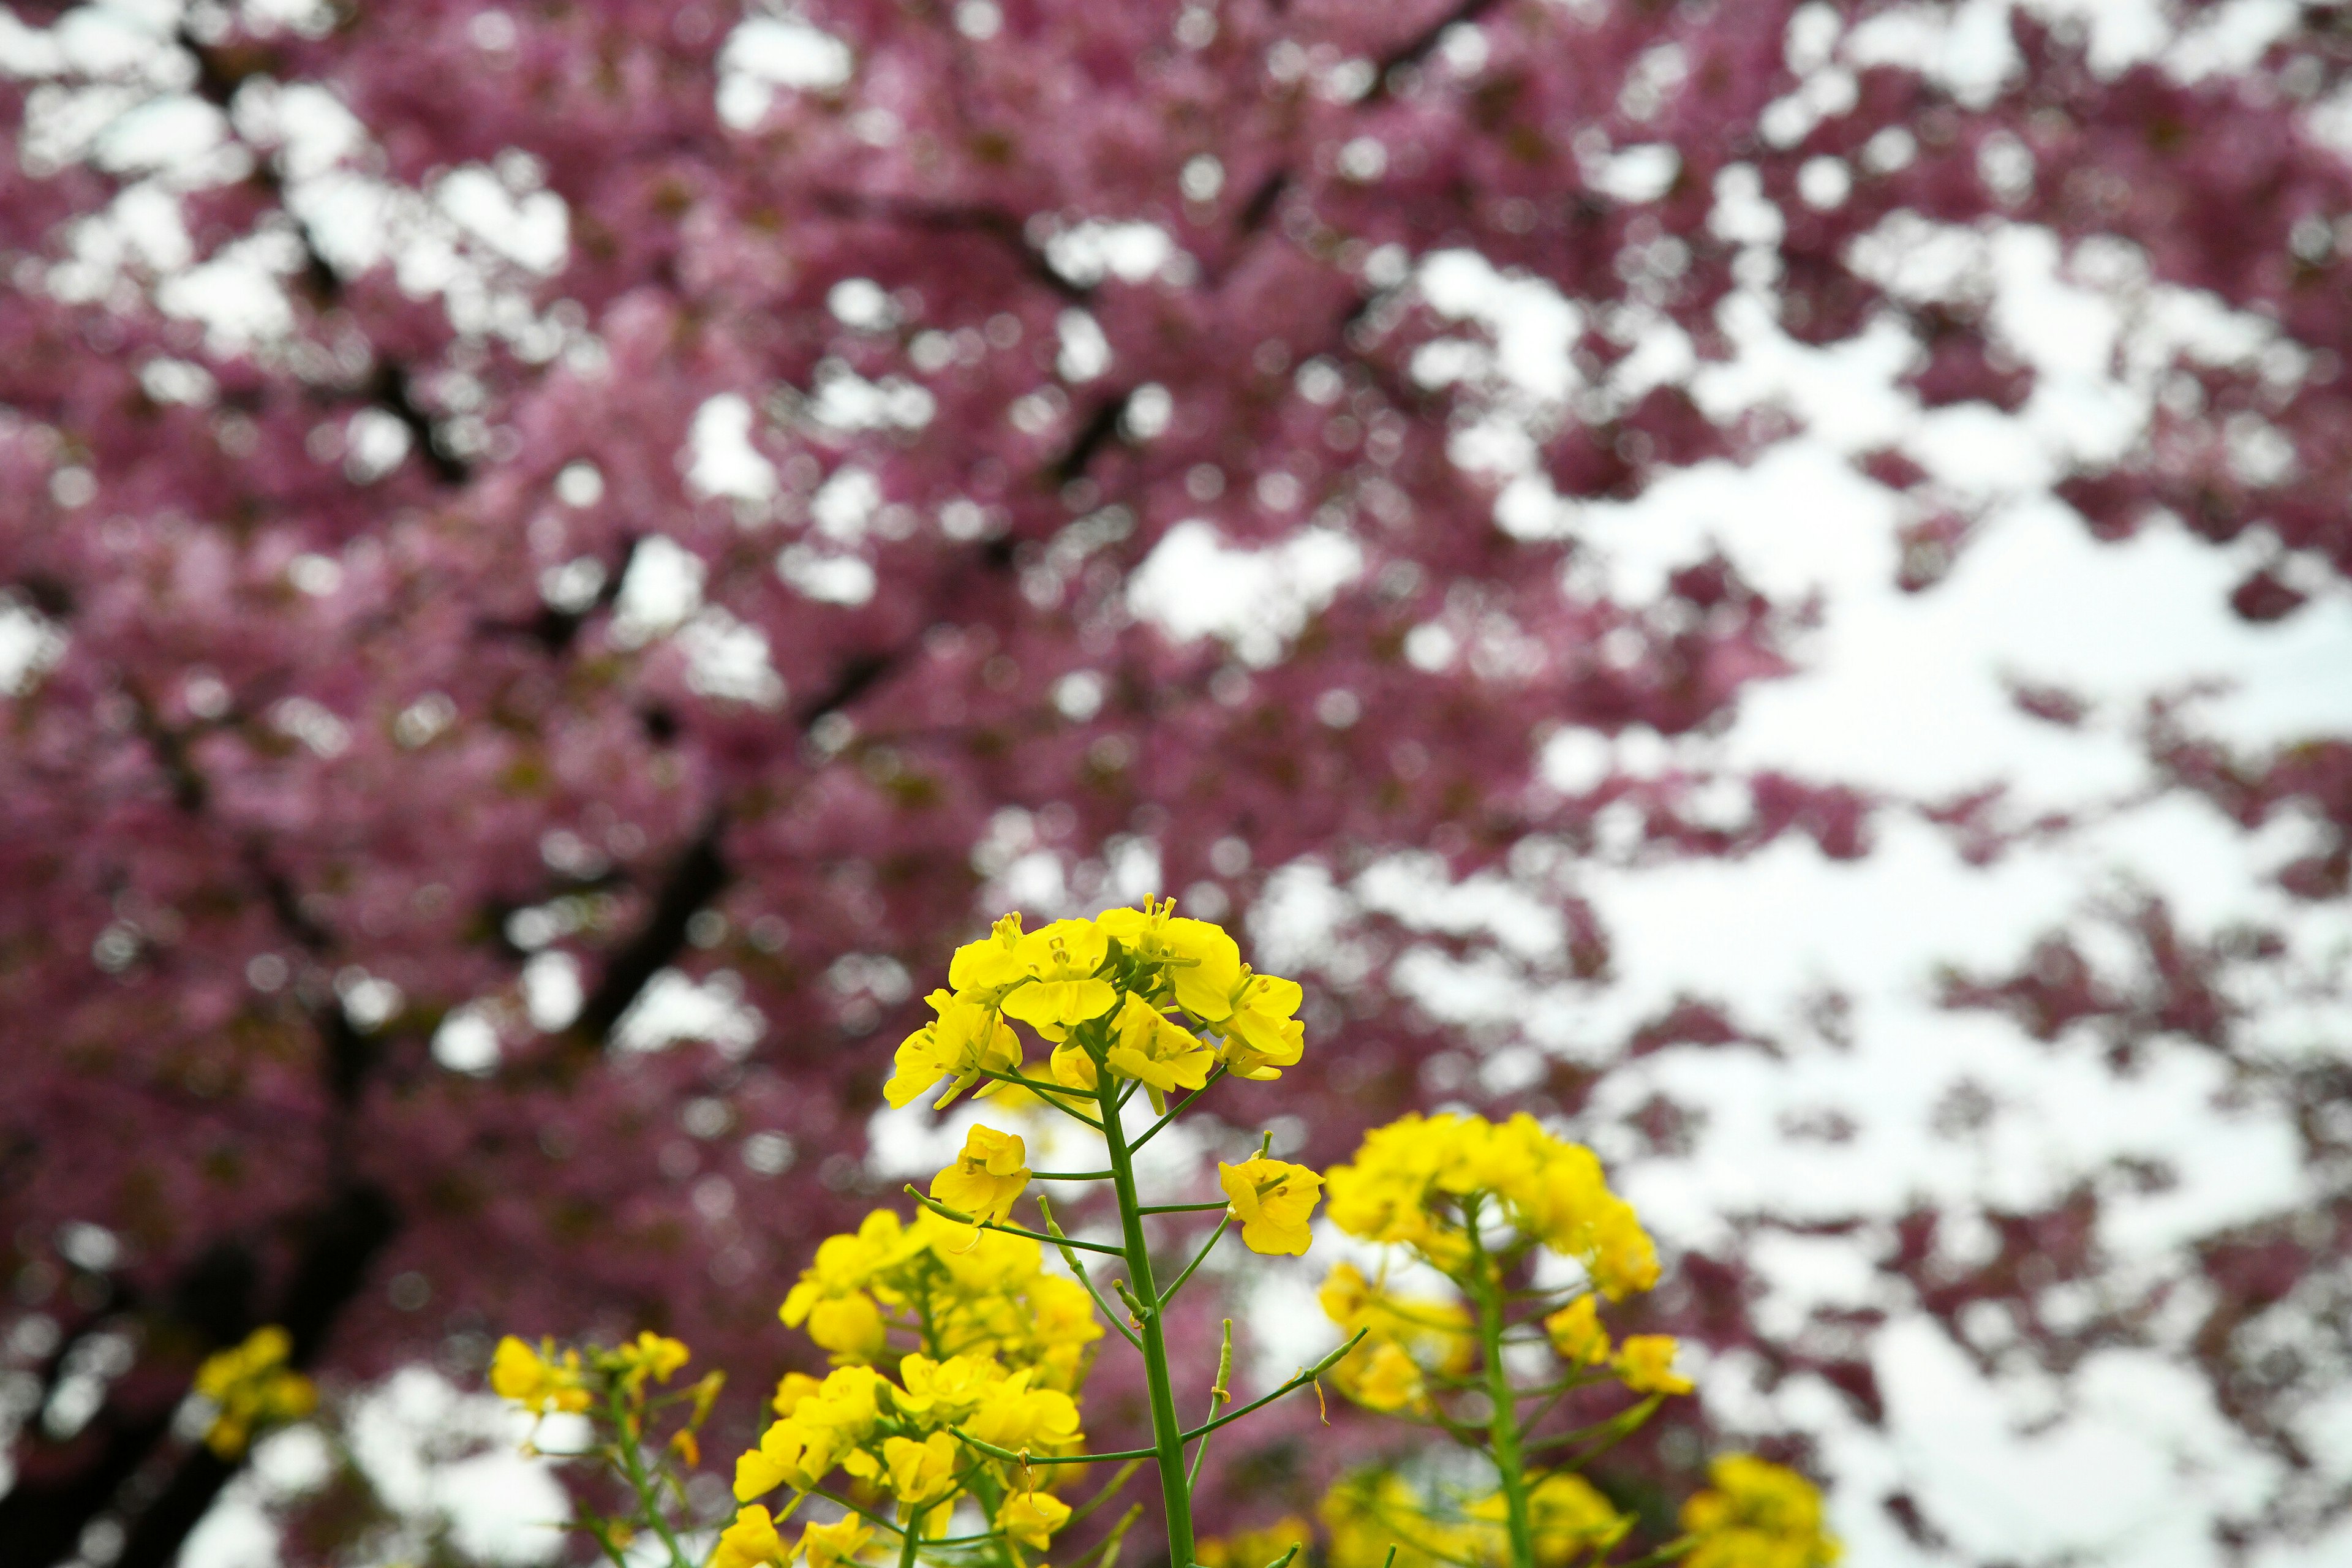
1099 429
991 223
700 873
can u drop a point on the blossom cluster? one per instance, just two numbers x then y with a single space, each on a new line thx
251 1387
1134 966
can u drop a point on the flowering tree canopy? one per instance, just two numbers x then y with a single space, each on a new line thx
551 556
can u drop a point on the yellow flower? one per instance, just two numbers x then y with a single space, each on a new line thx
250 1386
987 1177
824 1427
534 1379
1254 1548
1261 1035
991 963
1645 1363
1569 1518
966 1040
650 1355
1757 1515
1623 1259
1032 1518
791 1389
1438 1331
1063 990
1576 1334
1071 1066
828 1546
851 1327
1272 1199
1024 1419
750 1542
941 1392
1381 1376
1203 966
919 1473
1146 1047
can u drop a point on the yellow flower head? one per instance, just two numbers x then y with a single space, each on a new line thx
535 1379
251 1387
1646 1364
1071 1066
919 1474
1015 1416
1570 1519
824 1425
750 1542
1146 1047
1576 1332
936 1392
967 1039
1757 1515
1381 1376
1203 966
987 1177
829 1546
1272 1199
1032 1518
1064 990
791 1389
850 1327
649 1355
992 962
1437 1331
1261 1035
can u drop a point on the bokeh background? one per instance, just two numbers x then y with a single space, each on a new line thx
1765 583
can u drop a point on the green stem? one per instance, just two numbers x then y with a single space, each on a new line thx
1198 1258
907 1542
1154 1130
1168 1435
1502 1421
1297 1381
632 1467
1078 1267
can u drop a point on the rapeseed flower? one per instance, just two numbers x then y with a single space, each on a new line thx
987 1177
966 1041
538 1380
1757 1515
1575 1332
830 1545
1202 966
1031 1518
919 1474
1262 1037
1646 1364
1148 1049
1273 1200
251 1387
1064 988
750 1542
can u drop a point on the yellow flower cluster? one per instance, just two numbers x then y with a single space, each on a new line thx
1129 969
539 1379
1366 1512
751 1542
250 1387
1469 1197
1756 1514
914 1438
941 1286
1416 1182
